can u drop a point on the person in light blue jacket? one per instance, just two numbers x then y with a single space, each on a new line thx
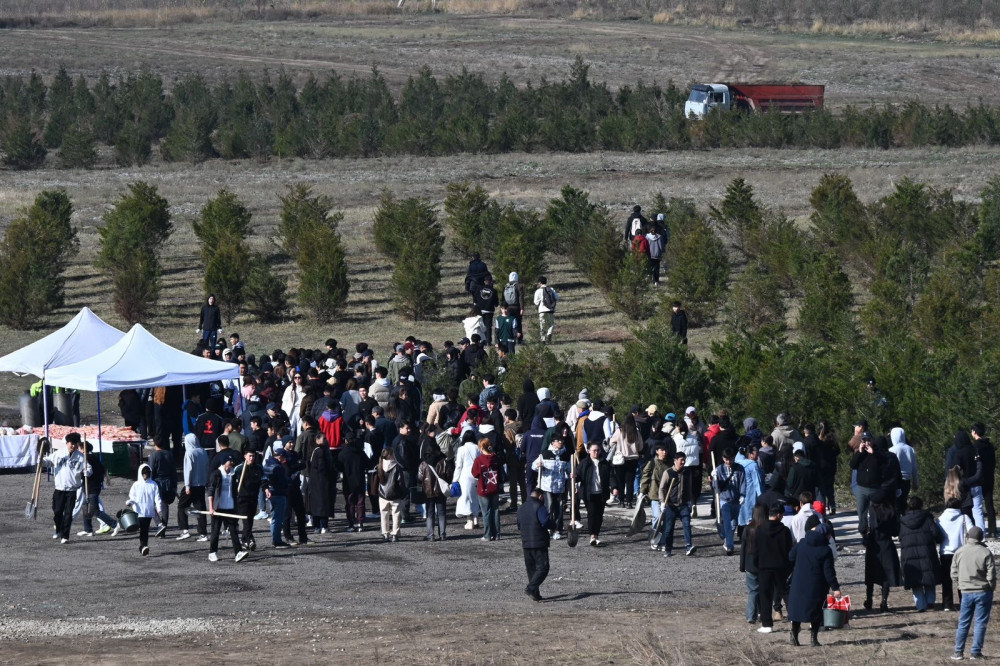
554 467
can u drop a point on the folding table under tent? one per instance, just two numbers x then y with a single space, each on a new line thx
139 360
85 335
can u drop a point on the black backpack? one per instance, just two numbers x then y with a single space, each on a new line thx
548 298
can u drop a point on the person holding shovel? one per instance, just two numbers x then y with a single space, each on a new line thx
221 496
594 477
249 477
675 502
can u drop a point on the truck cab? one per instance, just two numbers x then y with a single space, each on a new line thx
705 97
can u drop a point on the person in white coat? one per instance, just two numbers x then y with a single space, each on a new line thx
291 402
144 498
468 502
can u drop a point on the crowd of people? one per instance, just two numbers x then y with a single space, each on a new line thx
302 426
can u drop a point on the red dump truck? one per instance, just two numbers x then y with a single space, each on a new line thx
754 97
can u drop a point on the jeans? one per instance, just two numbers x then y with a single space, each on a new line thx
536 562
555 504
727 522
209 337
974 604
490 507
854 483
752 587
670 516
977 507
654 509
96 512
436 512
278 504
923 597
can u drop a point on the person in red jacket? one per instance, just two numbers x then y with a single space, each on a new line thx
331 424
640 246
487 469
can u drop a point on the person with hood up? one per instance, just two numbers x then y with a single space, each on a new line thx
974 572
920 537
221 495
144 498
474 324
468 502
513 298
554 466
477 272
784 434
534 439
752 430
193 492
813 576
954 525
881 559
803 477
907 467
656 244
773 543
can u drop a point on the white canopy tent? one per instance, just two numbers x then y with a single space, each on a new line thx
86 334
140 360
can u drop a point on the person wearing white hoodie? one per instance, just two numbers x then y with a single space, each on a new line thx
907 467
221 491
192 495
955 525
144 498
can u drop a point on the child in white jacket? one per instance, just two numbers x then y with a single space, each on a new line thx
954 524
144 498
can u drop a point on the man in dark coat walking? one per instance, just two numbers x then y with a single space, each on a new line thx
353 464
812 577
919 536
535 523
774 542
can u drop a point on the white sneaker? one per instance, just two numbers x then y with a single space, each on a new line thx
85 533
55 535
213 557
557 536
468 525
260 516
203 538
577 524
63 540
241 555
184 535
115 531
145 551
764 630
322 530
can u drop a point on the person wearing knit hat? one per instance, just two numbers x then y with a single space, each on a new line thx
512 295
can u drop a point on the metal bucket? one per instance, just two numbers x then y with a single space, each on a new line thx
128 520
833 618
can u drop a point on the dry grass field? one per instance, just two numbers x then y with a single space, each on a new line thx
855 71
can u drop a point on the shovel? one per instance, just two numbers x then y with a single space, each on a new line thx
573 536
195 512
31 510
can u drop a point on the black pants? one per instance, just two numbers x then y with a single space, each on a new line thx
813 628
536 562
555 504
247 508
625 480
654 269
297 507
770 586
947 591
904 496
990 512
373 498
595 513
193 497
218 522
488 323
63 502
144 531
515 470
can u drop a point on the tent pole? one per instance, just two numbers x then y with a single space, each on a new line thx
45 411
100 446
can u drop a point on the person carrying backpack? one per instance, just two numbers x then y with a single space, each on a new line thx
513 298
545 300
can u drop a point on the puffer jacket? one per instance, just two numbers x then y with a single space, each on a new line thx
919 537
692 450
554 464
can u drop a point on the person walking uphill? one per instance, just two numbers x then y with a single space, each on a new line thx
69 468
974 573
535 523
210 322
545 300
812 576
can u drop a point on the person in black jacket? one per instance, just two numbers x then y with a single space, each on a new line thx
881 559
476 274
534 522
406 453
988 458
249 477
221 495
748 566
594 477
164 474
276 485
874 475
294 464
210 322
485 300
773 543
804 476
920 536
812 577
679 322
353 464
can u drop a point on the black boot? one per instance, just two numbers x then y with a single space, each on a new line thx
815 636
793 637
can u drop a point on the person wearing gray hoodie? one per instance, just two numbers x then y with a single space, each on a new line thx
192 495
907 467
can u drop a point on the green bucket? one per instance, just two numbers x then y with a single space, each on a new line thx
833 618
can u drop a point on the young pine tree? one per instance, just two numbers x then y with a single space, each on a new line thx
323 284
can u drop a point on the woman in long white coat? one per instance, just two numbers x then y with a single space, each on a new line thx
291 402
468 502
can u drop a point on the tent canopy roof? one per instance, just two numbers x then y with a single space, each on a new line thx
139 360
85 335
